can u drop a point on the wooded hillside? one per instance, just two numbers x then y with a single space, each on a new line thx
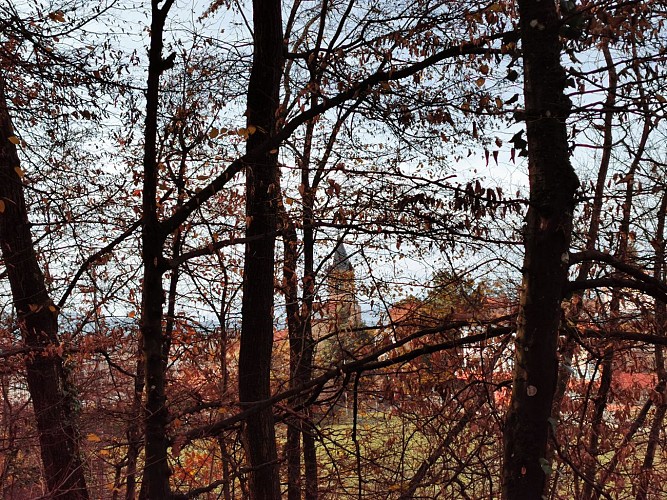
333 249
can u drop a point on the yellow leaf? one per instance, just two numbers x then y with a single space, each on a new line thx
103 453
289 200
480 81
213 133
251 129
19 171
93 438
131 314
2 206
34 307
53 308
14 140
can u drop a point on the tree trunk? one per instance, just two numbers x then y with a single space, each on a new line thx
597 423
547 239
261 218
296 343
299 324
310 459
301 360
156 470
660 311
569 346
37 316
308 349
134 434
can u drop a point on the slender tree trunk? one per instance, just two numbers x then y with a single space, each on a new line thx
296 343
10 423
597 420
310 457
418 478
301 360
608 361
262 193
299 322
310 186
308 348
651 447
224 381
621 449
547 239
50 390
660 310
569 346
156 469
654 433
134 433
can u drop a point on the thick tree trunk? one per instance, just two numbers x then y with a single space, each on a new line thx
262 193
37 317
547 239
156 469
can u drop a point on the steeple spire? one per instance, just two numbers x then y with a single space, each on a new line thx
341 261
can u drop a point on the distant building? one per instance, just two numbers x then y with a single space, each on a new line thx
335 319
340 312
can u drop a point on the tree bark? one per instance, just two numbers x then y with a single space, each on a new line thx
262 193
37 316
299 323
547 238
308 343
569 346
660 311
301 364
134 433
296 343
156 470
602 397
